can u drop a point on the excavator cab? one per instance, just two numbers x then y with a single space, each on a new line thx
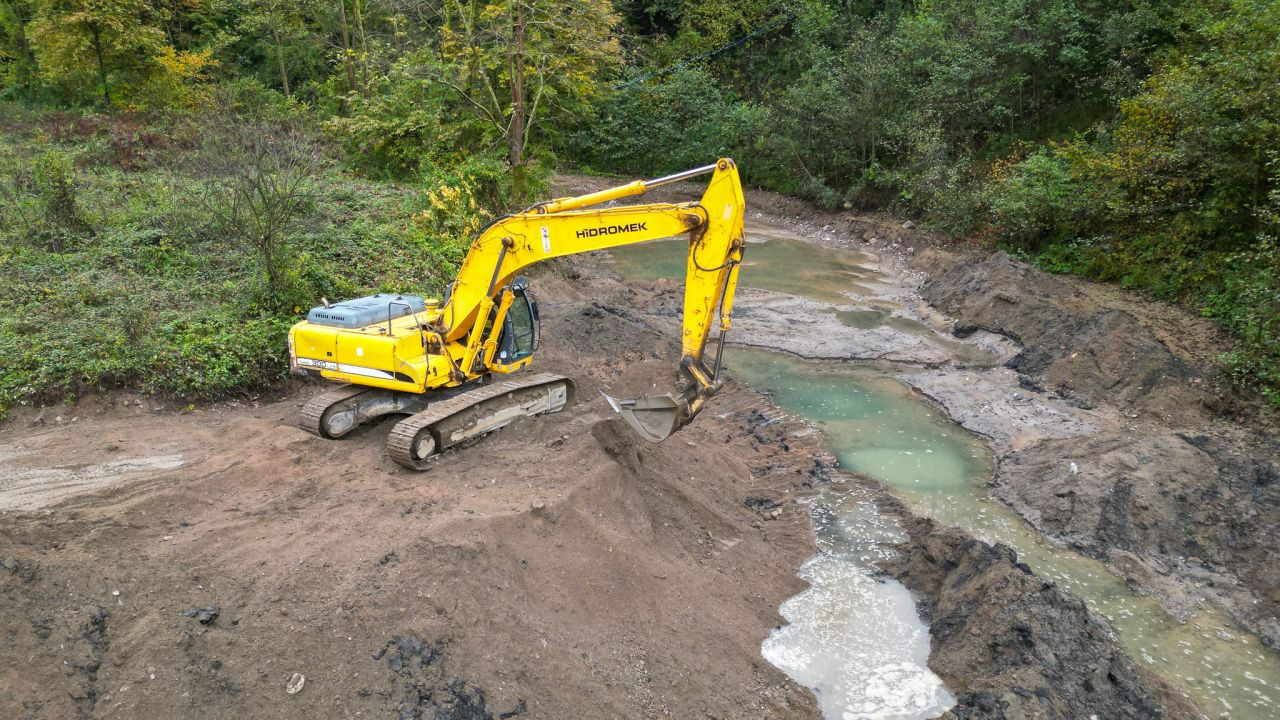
519 338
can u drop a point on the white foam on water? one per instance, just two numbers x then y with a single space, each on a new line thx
855 639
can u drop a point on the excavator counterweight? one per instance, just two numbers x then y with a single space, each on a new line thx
442 363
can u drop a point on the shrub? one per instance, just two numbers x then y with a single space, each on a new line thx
55 184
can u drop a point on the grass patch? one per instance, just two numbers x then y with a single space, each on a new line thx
115 275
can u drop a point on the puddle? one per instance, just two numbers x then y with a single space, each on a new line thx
855 639
875 425
774 260
863 319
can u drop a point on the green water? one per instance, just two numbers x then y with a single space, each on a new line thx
863 319
875 425
772 261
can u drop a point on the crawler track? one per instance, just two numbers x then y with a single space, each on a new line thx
313 411
417 439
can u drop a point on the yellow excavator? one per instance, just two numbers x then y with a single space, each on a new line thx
444 363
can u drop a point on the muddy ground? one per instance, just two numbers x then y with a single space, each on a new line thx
160 563
562 568
1153 465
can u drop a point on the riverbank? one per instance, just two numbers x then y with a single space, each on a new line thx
1156 469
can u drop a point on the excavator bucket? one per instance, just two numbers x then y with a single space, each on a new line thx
655 417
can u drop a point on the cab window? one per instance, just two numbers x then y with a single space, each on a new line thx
520 330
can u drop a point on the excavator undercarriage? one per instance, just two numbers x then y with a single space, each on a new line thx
437 421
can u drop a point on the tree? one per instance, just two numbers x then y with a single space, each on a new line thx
110 36
17 61
260 182
516 63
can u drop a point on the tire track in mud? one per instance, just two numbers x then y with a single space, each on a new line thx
33 488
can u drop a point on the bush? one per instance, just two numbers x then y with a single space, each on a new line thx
260 181
1034 202
55 184
1248 304
681 120
395 132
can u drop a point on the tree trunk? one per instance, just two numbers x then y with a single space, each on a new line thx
346 45
26 58
284 75
102 64
364 52
516 128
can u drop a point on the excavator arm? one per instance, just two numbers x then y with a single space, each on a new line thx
562 227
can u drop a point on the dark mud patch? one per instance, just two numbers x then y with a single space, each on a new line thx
422 689
1011 645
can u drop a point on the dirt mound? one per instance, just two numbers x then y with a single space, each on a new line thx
1179 499
1011 645
1085 351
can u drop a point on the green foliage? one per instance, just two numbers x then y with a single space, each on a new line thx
1248 304
681 120
260 180
1170 196
54 180
398 128
517 64
17 61
159 298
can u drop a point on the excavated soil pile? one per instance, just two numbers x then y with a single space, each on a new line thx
1179 498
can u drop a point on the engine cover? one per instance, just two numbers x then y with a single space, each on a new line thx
366 311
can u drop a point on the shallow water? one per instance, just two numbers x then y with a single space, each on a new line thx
773 260
778 261
857 640
877 426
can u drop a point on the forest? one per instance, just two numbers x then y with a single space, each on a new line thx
181 179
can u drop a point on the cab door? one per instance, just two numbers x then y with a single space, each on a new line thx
520 331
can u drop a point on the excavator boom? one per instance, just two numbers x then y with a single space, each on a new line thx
411 350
